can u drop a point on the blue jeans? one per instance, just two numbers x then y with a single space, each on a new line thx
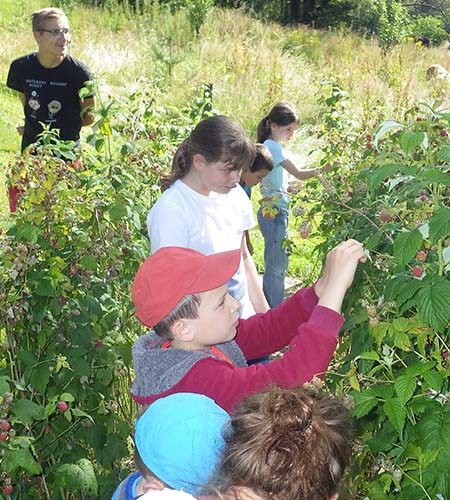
275 257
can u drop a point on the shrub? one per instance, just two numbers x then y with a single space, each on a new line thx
391 192
431 28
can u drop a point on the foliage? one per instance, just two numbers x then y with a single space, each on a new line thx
391 192
431 28
67 325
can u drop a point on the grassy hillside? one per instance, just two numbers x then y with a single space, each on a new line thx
250 64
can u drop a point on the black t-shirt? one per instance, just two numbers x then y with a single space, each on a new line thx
51 95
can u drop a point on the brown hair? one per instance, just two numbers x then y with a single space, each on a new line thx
281 114
286 445
40 16
217 138
187 308
263 159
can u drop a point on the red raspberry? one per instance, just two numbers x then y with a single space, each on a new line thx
7 489
99 344
62 406
417 271
4 436
443 132
5 425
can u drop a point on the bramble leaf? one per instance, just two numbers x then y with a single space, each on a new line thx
433 303
440 224
396 413
406 246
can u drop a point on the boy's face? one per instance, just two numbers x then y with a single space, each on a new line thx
51 44
218 315
253 178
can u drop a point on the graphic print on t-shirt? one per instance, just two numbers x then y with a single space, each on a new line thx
53 108
34 104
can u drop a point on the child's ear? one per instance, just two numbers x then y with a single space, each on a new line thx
181 330
151 482
199 162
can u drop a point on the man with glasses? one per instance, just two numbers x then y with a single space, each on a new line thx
48 81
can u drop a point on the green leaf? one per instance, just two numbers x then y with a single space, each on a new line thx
409 141
27 411
4 386
67 397
433 429
434 304
370 355
79 476
20 459
40 376
434 380
380 173
404 387
406 246
365 401
88 262
440 224
385 127
437 176
444 154
379 332
396 413
45 287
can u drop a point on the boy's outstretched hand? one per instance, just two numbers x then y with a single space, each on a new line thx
338 273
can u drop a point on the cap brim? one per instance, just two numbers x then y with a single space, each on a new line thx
219 269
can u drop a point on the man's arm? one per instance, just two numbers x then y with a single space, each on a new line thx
254 284
20 128
87 110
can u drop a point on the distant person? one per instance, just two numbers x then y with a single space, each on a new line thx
204 208
287 445
253 175
48 81
198 343
274 129
178 442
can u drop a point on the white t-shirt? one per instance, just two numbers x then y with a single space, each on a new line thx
210 224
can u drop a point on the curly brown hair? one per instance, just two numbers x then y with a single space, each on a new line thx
286 445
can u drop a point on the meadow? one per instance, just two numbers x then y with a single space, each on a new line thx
388 187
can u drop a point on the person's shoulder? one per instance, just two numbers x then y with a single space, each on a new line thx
272 145
27 59
77 65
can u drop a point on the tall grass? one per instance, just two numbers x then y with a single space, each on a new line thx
250 64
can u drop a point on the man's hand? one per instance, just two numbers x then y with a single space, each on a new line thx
338 273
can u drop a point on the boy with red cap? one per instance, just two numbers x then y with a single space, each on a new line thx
198 343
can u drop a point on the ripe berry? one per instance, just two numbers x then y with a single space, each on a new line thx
99 344
4 425
46 429
369 137
62 406
443 132
421 255
4 436
289 189
385 217
369 145
304 234
417 271
7 489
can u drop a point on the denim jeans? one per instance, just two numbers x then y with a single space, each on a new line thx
275 257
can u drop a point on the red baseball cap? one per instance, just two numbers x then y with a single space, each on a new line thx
165 277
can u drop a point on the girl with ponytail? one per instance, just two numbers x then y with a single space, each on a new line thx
204 208
275 128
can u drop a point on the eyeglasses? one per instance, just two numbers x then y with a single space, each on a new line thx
58 33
